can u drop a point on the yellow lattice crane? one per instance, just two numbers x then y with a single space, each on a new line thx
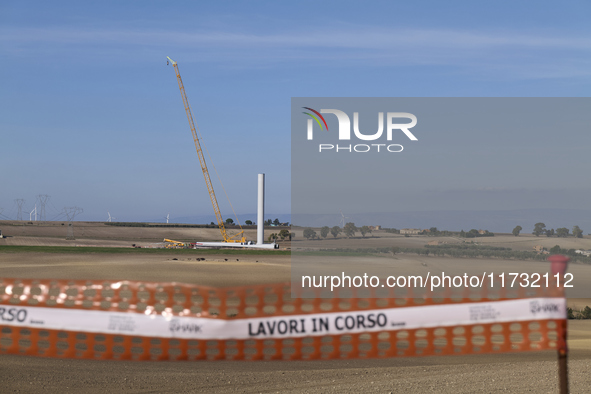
214 200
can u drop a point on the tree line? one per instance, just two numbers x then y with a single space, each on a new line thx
580 314
562 232
470 251
267 222
283 234
349 230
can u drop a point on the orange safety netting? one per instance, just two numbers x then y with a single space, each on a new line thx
263 301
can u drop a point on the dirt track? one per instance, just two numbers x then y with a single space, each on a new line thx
100 234
214 271
508 373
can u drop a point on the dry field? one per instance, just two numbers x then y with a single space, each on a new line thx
524 372
380 239
100 234
412 264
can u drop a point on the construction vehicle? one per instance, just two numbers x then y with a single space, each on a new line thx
196 139
172 244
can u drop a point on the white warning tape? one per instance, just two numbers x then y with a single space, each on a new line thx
290 326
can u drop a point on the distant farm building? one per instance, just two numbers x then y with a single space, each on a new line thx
373 228
583 252
410 231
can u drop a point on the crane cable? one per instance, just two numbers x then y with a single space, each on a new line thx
200 138
218 175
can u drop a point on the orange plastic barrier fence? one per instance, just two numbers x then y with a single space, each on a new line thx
171 321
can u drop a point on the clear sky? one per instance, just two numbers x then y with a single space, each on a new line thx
92 116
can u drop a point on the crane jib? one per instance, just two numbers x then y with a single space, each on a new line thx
214 201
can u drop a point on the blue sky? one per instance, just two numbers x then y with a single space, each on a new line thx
92 116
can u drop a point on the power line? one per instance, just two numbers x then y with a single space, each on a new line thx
43 198
71 213
19 203
60 213
3 216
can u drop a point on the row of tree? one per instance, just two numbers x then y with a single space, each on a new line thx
579 315
475 233
556 249
435 232
268 222
562 232
349 230
470 251
283 234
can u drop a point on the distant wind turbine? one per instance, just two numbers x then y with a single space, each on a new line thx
30 214
343 217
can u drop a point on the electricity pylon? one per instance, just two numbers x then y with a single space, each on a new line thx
70 213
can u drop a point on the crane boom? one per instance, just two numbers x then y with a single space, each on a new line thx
212 196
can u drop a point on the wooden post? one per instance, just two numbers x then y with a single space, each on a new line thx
563 359
558 266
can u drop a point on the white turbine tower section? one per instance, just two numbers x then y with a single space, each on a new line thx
31 213
109 219
260 226
167 217
261 210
